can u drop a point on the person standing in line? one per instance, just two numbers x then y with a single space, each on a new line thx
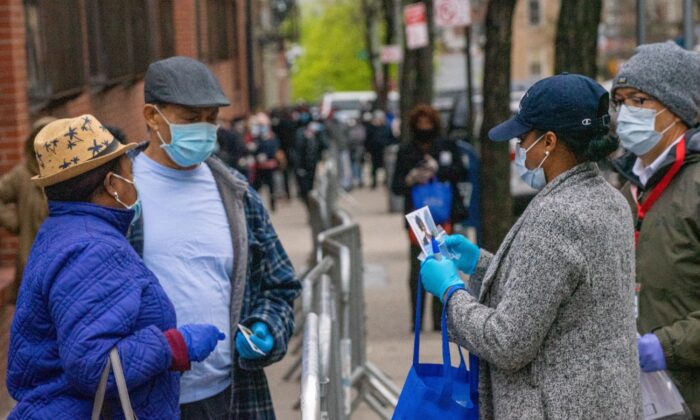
550 315
23 206
208 237
86 291
656 96
427 156
379 136
266 156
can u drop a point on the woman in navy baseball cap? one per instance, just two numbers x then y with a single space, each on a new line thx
550 314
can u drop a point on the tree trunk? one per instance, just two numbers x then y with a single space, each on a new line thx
577 37
369 12
389 39
416 73
496 201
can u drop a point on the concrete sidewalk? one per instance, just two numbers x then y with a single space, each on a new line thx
385 246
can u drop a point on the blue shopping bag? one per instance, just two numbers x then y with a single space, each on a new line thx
437 196
434 391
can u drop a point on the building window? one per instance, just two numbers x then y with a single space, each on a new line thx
126 36
54 43
534 12
535 69
220 25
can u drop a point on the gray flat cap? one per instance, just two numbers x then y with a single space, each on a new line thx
668 73
183 81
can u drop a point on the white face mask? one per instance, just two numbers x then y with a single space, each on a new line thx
636 128
535 178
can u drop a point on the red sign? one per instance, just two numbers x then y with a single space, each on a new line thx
416 20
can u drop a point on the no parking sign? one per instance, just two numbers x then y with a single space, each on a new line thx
452 13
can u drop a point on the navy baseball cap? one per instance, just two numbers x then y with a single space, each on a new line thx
565 103
183 81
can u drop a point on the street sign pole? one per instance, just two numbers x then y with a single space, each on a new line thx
688 35
641 21
470 87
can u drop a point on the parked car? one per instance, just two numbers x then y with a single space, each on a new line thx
348 106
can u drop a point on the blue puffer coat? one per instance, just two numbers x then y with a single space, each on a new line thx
85 291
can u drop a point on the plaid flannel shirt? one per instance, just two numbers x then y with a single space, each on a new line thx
270 289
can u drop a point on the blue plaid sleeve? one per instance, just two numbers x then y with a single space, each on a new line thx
272 285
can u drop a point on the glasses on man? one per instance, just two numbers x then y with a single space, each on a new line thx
633 101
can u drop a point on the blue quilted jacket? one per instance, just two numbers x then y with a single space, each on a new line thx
85 291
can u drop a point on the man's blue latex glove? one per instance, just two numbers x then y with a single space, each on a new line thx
467 251
201 340
438 276
651 354
261 337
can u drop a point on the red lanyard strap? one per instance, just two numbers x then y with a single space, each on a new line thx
658 190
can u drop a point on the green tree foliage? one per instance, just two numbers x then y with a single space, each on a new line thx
334 58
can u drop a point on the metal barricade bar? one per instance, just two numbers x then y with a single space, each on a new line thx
310 380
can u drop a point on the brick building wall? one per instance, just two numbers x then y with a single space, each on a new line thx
120 105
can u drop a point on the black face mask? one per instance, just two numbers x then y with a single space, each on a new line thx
425 135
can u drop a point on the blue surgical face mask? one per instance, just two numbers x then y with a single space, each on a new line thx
190 144
533 177
136 207
636 128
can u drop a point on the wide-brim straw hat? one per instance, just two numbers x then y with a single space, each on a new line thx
70 147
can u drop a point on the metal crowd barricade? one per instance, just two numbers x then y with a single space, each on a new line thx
309 286
343 243
310 379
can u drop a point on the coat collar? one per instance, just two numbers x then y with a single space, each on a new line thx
120 219
571 177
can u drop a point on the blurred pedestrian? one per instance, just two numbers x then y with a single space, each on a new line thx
550 314
86 291
338 133
308 151
379 136
207 236
357 134
426 157
232 150
266 156
23 205
285 128
656 96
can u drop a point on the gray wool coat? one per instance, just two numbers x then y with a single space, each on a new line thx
553 323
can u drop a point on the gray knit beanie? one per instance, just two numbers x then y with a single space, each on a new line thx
668 73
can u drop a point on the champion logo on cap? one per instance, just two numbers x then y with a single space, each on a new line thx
587 121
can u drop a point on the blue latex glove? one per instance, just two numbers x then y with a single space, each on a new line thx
438 276
201 340
261 337
467 251
651 354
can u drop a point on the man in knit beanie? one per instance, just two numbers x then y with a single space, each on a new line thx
656 97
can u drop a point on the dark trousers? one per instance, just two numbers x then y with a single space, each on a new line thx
212 408
377 164
266 177
413 284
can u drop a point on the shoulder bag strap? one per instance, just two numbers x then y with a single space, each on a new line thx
114 362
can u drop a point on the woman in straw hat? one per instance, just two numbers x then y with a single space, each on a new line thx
85 291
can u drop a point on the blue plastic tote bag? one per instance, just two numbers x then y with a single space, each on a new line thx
437 196
435 391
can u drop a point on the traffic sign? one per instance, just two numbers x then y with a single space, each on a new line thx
416 20
452 13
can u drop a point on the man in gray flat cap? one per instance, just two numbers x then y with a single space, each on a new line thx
657 99
207 236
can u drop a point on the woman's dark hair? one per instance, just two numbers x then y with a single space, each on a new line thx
424 111
84 186
596 145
